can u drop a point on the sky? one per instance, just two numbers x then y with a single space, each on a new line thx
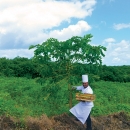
31 22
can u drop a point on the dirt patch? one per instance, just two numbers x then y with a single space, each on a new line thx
118 121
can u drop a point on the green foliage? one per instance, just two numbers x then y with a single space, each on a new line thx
23 67
111 97
21 97
65 53
115 73
18 67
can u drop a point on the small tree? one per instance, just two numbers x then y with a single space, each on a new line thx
65 53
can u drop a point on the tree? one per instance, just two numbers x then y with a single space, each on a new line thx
65 53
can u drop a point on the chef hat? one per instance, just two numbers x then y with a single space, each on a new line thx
84 78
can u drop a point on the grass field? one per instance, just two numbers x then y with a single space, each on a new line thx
21 97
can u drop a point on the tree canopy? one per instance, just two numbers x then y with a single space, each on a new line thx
65 53
75 49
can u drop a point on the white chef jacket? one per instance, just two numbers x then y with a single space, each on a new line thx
82 109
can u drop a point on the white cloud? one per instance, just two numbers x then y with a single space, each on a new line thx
36 14
63 34
72 30
121 26
12 53
109 40
26 22
117 53
116 59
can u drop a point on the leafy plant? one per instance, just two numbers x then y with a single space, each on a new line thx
64 54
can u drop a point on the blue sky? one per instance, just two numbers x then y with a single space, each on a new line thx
30 22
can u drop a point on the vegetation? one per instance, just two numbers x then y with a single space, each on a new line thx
24 67
64 54
111 97
42 85
21 97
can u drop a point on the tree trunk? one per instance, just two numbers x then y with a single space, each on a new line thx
70 96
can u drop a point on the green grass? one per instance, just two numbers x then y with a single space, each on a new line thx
111 97
21 97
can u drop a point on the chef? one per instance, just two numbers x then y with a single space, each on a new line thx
82 110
